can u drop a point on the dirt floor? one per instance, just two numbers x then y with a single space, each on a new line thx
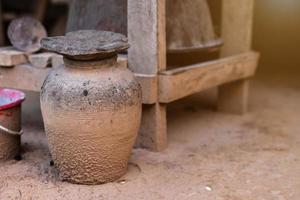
211 156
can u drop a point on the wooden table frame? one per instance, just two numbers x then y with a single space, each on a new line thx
147 55
147 58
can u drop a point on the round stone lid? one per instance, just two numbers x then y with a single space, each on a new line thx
25 34
87 44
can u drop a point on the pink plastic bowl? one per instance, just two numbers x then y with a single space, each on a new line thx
10 98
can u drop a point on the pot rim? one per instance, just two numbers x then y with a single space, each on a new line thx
12 98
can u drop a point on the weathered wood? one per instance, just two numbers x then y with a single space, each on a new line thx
123 60
146 34
152 133
23 77
147 55
149 87
9 57
57 60
41 60
233 97
161 36
237 20
178 83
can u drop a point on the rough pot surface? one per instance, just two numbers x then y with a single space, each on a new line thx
91 107
92 113
87 44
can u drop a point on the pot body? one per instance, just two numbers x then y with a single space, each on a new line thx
10 144
92 115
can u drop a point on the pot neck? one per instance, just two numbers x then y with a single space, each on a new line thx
88 64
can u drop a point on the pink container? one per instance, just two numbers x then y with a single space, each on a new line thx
10 122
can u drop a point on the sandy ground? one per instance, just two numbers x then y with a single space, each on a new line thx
211 155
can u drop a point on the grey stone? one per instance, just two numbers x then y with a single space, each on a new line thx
25 34
87 44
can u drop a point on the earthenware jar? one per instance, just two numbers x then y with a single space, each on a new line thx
91 107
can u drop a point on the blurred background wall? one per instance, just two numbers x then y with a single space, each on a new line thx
277 35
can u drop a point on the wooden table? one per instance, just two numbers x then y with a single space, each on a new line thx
147 59
163 88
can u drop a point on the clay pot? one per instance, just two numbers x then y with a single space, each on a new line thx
10 123
189 27
91 108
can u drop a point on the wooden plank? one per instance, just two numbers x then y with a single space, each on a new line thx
161 36
9 57
146 34
178 83
237 22
41 60
149 87
153 124
147 55
123 60
57 60
23 77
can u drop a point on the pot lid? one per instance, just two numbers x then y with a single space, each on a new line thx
87 44
10 98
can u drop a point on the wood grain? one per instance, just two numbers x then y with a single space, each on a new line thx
237 22
147 55
41 60
9 57
178 83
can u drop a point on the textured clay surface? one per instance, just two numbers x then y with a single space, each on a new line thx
86 44
10 144
92 114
